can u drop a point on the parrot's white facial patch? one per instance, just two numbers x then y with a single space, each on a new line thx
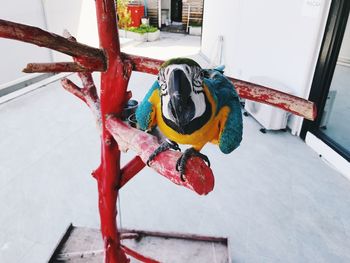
193 74
195 77
166 113
199 102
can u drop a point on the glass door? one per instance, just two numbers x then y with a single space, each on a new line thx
335 122
331 84
176 10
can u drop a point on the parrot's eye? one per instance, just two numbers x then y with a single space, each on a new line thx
166 71
197 79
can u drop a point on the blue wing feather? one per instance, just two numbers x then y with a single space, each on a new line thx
145 109
224 94
231 134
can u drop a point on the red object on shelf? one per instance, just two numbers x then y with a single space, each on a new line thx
137 12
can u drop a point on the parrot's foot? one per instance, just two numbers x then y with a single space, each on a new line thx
166 145
181 162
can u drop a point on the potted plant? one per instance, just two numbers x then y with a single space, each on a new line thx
195 28
143 33
153 33
137 34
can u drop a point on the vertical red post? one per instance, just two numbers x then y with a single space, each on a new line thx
114 83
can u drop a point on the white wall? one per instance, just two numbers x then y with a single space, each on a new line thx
14 54
87 31
78 17
60 15
270 39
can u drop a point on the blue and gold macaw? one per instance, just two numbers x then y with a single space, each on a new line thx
192 106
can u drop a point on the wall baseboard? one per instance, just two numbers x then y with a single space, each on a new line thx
331 157
23 82
31 87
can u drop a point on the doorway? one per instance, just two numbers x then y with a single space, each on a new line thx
176 10
331 84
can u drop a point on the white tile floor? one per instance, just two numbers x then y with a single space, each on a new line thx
274 198
170 46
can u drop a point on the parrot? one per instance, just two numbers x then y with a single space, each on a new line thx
191 106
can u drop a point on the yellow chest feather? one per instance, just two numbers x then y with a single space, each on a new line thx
207 133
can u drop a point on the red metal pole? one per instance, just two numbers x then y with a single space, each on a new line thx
114 83
130 170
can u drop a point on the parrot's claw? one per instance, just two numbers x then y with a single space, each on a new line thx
182 161
166 145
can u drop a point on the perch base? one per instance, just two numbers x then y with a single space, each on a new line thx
81 244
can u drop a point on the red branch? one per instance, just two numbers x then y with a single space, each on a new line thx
279 99
60 67
130 170
144 64
88 94
199 177
138 256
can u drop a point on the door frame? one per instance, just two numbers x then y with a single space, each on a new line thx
327 60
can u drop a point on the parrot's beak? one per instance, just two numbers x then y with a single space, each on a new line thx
180 96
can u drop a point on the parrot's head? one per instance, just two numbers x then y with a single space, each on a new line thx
181 90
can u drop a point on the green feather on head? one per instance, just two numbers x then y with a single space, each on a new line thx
178 61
